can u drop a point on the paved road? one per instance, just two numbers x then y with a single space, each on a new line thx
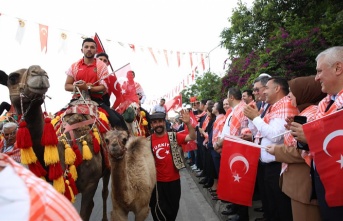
193 205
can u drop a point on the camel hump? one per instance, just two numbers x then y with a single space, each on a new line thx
137 143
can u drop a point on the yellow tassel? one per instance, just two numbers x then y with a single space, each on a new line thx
103 117
96 134
73 172
59 185
27 156
51 154
87 154
72 196
69 154
55 120
145 122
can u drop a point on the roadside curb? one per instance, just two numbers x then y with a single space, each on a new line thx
217 205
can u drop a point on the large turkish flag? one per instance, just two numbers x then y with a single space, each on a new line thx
325 139
238 168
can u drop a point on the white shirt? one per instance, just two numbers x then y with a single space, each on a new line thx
276 126
14 196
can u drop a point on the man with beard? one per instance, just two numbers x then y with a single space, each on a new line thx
8 144
165 198
88 74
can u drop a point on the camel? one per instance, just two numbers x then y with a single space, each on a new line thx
27 89
133 175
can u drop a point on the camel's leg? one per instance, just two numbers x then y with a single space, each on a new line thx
105 181
87 202
119 215
142 213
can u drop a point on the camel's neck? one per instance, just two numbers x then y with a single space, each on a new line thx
35 124
119 177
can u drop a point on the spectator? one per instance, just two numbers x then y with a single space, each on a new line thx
295 181
8 144
330 75
276 91
248 96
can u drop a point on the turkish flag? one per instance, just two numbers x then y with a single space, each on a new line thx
237 175
175 103
325 137
43 34
194 121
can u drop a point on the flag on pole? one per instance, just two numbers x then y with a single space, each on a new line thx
325 137
238 168
174 104
114 83
100 48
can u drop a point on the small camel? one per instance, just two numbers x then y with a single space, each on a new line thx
133 175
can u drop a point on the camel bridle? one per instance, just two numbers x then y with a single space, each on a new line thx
18 90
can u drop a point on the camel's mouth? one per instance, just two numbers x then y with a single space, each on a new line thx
117 154
38 90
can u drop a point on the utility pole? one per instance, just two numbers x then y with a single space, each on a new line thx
209 60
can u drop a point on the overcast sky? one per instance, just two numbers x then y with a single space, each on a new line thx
186 26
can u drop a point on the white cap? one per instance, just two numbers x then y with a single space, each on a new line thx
264 75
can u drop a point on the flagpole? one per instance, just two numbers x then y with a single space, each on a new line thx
110 73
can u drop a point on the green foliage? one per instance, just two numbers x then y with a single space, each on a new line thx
207 86
279 37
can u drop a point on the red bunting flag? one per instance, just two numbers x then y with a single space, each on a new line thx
43 34
325 137
237 175
175 103
153 55
202 62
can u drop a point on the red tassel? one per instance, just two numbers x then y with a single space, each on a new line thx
78 154
103 127
103 111
49 135
96 145
37 169
55 171
72 184
67 192
23 136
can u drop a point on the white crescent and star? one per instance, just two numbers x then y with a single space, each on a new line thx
329 137
236 158
119 80
44 31
158 153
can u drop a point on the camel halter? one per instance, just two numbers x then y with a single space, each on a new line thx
18 90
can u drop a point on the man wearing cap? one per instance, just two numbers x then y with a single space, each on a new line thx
165 198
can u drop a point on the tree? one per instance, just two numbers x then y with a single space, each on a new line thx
206 86
279 37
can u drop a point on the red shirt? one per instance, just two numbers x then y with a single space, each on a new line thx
165 169
89 73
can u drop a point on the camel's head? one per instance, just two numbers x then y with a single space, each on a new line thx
30 84
116 142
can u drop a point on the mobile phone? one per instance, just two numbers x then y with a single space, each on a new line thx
300 119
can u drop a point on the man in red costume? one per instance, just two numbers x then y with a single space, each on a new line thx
165 198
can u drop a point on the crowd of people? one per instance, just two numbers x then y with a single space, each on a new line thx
271 115
287 180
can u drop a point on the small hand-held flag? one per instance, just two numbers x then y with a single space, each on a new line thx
238 168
